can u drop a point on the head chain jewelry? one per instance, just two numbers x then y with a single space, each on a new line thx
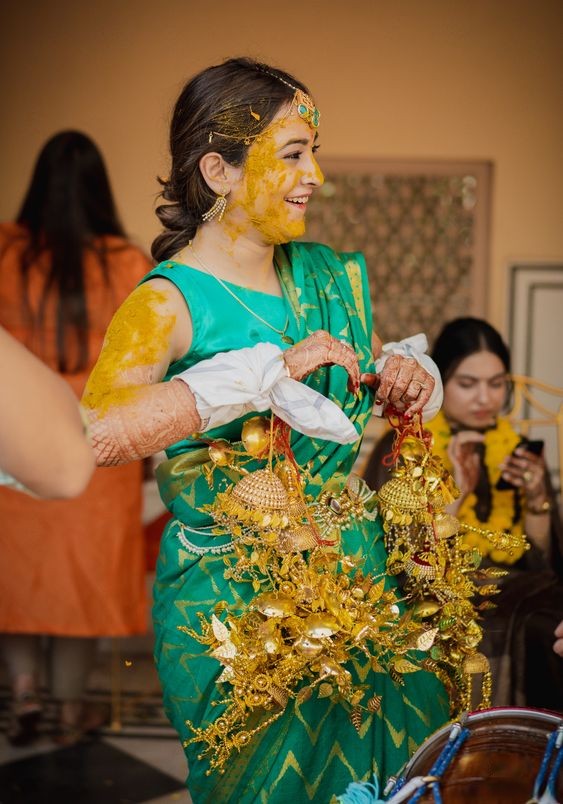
301 101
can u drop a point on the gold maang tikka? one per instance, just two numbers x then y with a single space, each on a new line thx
301 101
305 108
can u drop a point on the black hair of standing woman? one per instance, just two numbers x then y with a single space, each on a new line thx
68 206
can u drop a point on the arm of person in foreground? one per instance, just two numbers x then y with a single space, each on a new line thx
42 440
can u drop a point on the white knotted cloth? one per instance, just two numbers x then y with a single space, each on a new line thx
231 384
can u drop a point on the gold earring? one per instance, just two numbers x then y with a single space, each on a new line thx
217 210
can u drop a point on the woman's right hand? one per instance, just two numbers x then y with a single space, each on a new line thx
465 460
322 349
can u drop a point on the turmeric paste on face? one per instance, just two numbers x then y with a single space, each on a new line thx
268 180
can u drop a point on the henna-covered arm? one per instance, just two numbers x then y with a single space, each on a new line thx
322 349
152 420
407 378
132 413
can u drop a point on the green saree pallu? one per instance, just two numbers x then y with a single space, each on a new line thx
312 751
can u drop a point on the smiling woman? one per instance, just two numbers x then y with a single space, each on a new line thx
197 349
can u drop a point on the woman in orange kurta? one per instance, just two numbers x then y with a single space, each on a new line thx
74 569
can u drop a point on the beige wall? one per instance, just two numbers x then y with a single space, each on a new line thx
475 79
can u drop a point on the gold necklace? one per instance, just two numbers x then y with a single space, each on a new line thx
281 332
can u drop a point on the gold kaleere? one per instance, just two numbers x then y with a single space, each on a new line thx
425 547
313 608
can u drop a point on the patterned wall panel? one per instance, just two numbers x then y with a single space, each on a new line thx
423 228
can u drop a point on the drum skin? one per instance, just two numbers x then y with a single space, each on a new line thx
499 761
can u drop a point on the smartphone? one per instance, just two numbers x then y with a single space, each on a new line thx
531 446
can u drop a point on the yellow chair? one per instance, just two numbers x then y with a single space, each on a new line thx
526 390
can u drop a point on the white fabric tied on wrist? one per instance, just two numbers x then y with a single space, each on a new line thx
414 346
231 384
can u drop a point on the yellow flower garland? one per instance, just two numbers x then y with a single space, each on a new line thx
499 443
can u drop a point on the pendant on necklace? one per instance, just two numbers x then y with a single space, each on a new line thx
287 339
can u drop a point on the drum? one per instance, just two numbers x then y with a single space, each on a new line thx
497 763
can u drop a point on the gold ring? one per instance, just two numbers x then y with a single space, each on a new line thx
527 476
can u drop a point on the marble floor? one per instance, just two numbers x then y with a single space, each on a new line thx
135 758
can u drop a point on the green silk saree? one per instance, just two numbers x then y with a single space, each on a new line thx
313 751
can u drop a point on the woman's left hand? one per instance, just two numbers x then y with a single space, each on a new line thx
526 471
403 383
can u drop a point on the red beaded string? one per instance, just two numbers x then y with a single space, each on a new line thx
282 445
404 425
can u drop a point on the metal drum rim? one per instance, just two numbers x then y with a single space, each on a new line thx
496 712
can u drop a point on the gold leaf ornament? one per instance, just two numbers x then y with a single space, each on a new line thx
426 639
308 647
304 695
220 630
376 591
322 625
356 718
404 666
272 604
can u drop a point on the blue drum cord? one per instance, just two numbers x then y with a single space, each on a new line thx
553 753
458 735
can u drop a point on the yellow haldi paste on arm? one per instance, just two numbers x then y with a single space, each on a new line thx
137 338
